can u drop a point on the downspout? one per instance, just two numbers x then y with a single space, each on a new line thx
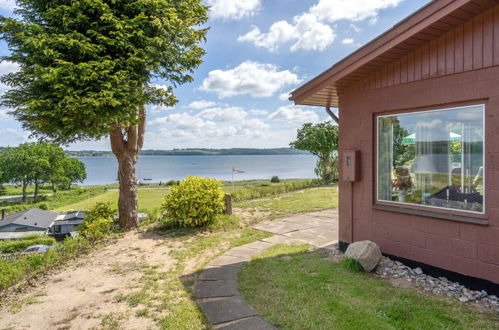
332 115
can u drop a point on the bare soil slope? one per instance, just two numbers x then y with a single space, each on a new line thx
86 294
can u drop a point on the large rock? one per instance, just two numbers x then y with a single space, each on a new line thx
366 253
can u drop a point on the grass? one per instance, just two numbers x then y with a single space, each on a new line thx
19 245
251 189
309 291
149 199
308 200
166 296
61 198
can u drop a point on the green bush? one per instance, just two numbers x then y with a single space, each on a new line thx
12 246
43 206
98 223
272 190
171 183
194 202
275 179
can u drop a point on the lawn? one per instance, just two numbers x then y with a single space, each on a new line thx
307 290
149 199
308 200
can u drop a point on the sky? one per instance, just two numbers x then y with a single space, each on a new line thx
257 52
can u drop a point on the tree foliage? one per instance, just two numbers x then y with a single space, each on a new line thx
321 140
86 65
38 163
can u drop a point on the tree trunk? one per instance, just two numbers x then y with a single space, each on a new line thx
24 190
128 200
35 196
126 143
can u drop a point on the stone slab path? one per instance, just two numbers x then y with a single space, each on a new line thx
217 291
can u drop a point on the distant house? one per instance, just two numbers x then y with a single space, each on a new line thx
30 220
36 221
66 223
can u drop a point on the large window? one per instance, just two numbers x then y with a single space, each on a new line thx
433 158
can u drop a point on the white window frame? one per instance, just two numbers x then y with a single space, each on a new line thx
414 206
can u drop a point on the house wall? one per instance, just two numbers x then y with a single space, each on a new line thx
457 69
466 248
12 228
471 46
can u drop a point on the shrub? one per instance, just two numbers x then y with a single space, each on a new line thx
43 206
98 223
3 190
100 210
194 202
275 179
171 183
272 190
12 246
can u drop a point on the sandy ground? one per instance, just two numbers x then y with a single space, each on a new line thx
84 294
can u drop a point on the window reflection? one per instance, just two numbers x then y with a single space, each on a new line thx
433 158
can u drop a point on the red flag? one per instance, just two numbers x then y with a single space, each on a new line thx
237 171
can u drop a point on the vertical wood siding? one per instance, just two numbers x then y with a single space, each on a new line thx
471 46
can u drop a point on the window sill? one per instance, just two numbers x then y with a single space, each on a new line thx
431 214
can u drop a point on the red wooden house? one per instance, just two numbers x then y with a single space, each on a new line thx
419 138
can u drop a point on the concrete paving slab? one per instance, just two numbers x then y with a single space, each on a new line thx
242 251
227 260
282 227
228 272
279 239
226 310
250 323
259 245
215 289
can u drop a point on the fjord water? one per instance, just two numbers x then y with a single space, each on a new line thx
103 170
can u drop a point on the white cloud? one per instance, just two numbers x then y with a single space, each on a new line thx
255 124
306 32
13 137
258 112
4 116
201 104
7 5
309 31
284 96
253 78
294 114
233 10
5 68
352 10
224 114
347 41
184 129
156 108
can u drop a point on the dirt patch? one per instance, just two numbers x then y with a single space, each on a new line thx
83 295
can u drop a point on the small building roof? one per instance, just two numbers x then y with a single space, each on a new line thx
33 218
430 22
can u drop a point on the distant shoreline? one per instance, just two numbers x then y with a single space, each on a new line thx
197 152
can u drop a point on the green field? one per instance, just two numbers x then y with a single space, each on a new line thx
149 199
150 195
